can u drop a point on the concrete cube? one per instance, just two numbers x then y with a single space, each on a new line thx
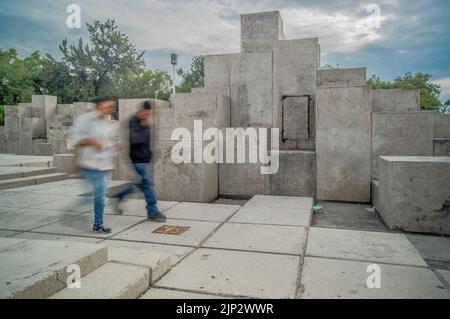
12 129
414 193
401 134
395 100
65 163
259 31
441 125
343 137
341 77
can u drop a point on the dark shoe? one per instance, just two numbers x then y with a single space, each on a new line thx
102 229
158 218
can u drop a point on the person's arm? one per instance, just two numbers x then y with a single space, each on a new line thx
136 134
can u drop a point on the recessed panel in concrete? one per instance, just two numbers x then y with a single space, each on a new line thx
343 279
82 225
235 273
259 238
362 246
144 232
199 211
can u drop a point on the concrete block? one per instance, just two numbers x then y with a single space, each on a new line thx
343 139
203 212
395 100
12 129
157 263
441 147
259 31
80 108
163 121
41 148
66 113
65 163
281 202
104 283
362 246
296 176
58 238
82 225
26 275
44 106
25 136
39 128
143 232
16 182
3 145
234 273
446 275
259 238
183 182
376 194
348 280
431 247
441 126
218 71
414 193
336 78
401 134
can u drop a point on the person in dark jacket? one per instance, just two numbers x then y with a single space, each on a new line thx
141 156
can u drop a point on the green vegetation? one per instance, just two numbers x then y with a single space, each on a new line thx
194 77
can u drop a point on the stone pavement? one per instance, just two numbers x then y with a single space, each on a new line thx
271 247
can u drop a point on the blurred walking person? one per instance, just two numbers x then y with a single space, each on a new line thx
93 139
141 156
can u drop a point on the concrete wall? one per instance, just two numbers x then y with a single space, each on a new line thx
218 71
395 100
12 129
414 194
296 176
441 147
343 139
341 77
259 31
2 140
441 125
401 134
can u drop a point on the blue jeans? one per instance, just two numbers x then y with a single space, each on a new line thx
98 180
146 186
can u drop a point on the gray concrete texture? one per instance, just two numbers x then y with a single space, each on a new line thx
414 194
395 100
441 147
260 31
441 126
335 78
401 134
343 140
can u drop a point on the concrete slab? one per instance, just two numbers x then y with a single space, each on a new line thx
176 252
82 225
23 200
200 211
281 201
8 233
362 246
273 216
446 275
25 161
231 201
12 172
53 237
430 247
69 204
343 279
136 207
144 232
159 293
259 238
342 77
347 216
104 283
25 274
27 219
233 273
157 262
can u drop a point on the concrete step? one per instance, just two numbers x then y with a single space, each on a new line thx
111 281
33 180
36 269
158 263
21 172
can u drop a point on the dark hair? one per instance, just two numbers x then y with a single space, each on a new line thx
101 99
147 105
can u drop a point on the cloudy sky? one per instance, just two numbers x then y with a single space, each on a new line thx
410 36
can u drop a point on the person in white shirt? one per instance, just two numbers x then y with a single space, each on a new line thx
93 139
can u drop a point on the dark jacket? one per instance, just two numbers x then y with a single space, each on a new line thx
140 151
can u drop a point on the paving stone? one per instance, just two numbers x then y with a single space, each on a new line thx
54 237
273 216
446 275
362 246
66 203
230 201
199 211
198 231
157 262
23 200
135 207
25 273
26 219
176 252
105 283
262 238
8 233
158 293
234 273
430 247
334 279
281 201
82 225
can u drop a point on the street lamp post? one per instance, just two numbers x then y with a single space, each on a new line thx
174 62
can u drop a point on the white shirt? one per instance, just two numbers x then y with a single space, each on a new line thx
92 125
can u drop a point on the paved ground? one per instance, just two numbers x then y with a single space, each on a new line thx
272 247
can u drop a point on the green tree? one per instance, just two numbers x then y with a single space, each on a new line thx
194 77
429 91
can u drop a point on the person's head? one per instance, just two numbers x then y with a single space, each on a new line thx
104 105
145 111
